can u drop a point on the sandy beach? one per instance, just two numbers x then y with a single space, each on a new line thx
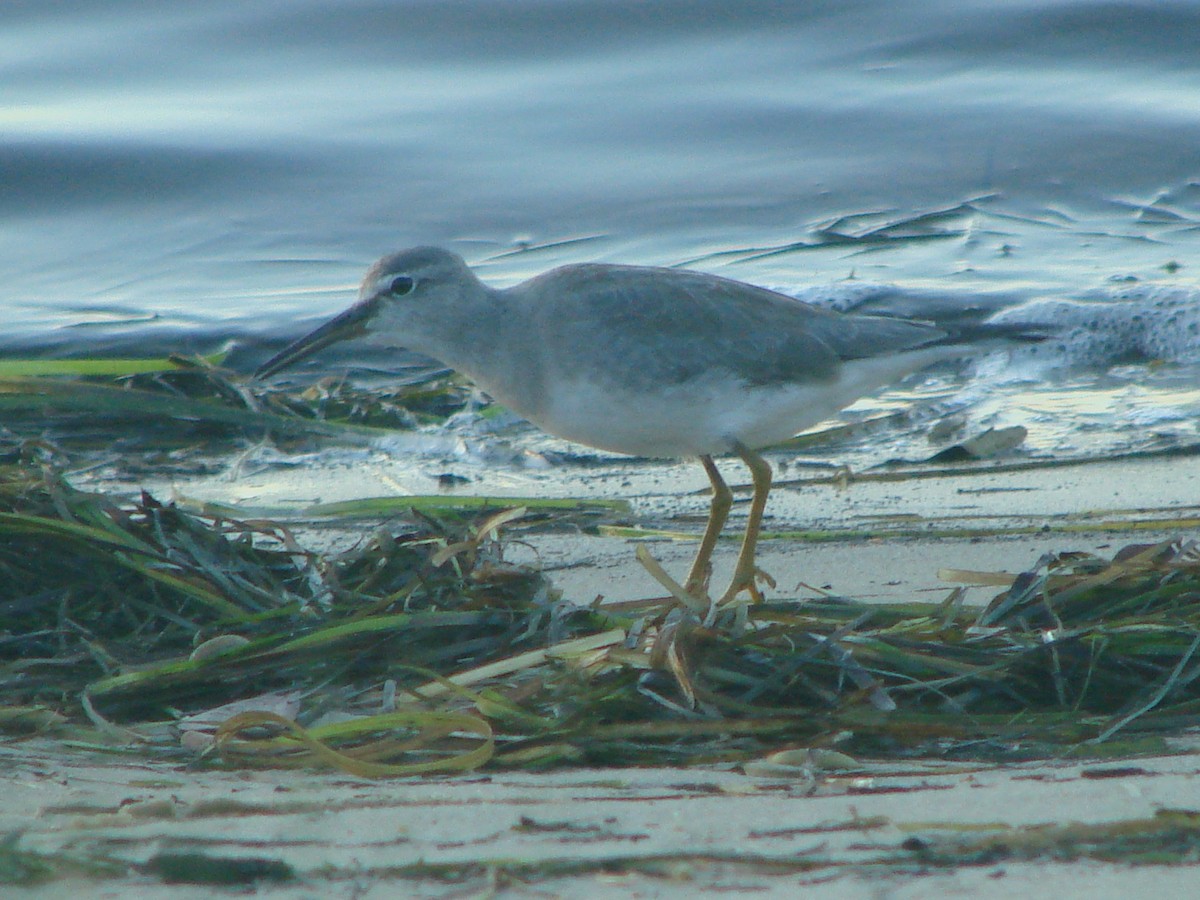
609 833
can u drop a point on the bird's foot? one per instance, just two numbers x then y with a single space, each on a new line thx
746 581
691 596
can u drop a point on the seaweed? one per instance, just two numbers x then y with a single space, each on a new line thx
420 648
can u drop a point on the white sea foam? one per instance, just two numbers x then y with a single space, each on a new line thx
1131 323
1142 322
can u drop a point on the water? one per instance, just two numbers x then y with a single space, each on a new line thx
178 176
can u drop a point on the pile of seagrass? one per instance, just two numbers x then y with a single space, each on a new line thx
421 649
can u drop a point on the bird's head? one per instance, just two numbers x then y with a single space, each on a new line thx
403 297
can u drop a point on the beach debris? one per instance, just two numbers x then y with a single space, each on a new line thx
990 443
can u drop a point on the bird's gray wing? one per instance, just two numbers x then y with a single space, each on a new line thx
670 326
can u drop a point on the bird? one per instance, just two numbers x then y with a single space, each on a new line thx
641 360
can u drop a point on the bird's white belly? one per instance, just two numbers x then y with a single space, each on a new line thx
680 422
708 416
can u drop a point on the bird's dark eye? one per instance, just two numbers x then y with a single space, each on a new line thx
400 286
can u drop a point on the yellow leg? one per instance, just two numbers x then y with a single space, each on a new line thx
722 500
745 570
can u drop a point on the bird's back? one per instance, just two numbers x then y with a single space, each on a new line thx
671 326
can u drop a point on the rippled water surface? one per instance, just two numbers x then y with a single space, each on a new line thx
180 175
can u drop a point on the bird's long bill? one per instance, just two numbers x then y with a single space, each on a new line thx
350 324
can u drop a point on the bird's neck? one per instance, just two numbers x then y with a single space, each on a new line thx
493 347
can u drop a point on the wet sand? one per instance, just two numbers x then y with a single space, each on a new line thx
596 833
